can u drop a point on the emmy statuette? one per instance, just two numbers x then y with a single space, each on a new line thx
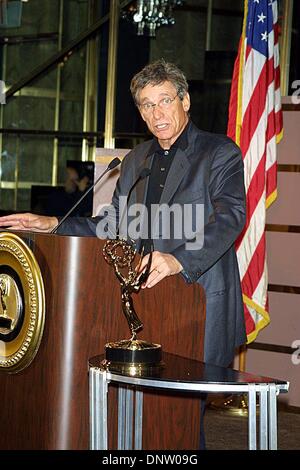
130 355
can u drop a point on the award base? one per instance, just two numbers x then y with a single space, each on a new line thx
133 356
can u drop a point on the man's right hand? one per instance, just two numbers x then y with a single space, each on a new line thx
28 221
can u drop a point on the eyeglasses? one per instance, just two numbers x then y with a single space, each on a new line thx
164 103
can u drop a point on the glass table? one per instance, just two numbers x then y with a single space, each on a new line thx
179 374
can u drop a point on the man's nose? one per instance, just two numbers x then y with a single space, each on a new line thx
157 112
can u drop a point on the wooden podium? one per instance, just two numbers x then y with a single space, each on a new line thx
45 406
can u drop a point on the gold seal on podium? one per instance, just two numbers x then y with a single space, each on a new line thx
22 304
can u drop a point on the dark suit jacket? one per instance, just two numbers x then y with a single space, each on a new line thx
210 172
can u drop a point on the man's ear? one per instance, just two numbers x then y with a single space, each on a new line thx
186 102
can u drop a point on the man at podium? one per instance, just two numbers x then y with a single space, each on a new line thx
186 167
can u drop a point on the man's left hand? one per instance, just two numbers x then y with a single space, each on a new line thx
163 265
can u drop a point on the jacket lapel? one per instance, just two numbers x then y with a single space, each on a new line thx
176 173
178 169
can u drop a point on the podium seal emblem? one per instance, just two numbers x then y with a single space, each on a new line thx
22 304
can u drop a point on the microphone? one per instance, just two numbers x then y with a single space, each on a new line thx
113 164
144 173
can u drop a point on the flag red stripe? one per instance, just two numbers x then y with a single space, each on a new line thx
279 122
253 196
248 51
250 324
277 78
270 132
256 105
255 268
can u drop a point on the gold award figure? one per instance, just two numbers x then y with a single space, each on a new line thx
121 255
5 321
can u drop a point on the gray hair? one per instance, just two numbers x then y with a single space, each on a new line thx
156 73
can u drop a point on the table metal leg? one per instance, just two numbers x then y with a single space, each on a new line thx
121 418
98 402
128 418
252 416
263 417
98 409
138 420
272 417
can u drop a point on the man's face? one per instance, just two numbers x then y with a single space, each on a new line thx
166 122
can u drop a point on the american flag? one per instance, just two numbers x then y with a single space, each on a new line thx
255 124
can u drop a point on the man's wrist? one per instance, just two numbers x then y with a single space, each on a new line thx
53 223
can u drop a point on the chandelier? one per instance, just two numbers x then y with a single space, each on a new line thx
148 15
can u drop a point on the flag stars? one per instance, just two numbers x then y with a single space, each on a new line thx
261 18
264 36
256 1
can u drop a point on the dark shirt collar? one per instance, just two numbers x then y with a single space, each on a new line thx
180 143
